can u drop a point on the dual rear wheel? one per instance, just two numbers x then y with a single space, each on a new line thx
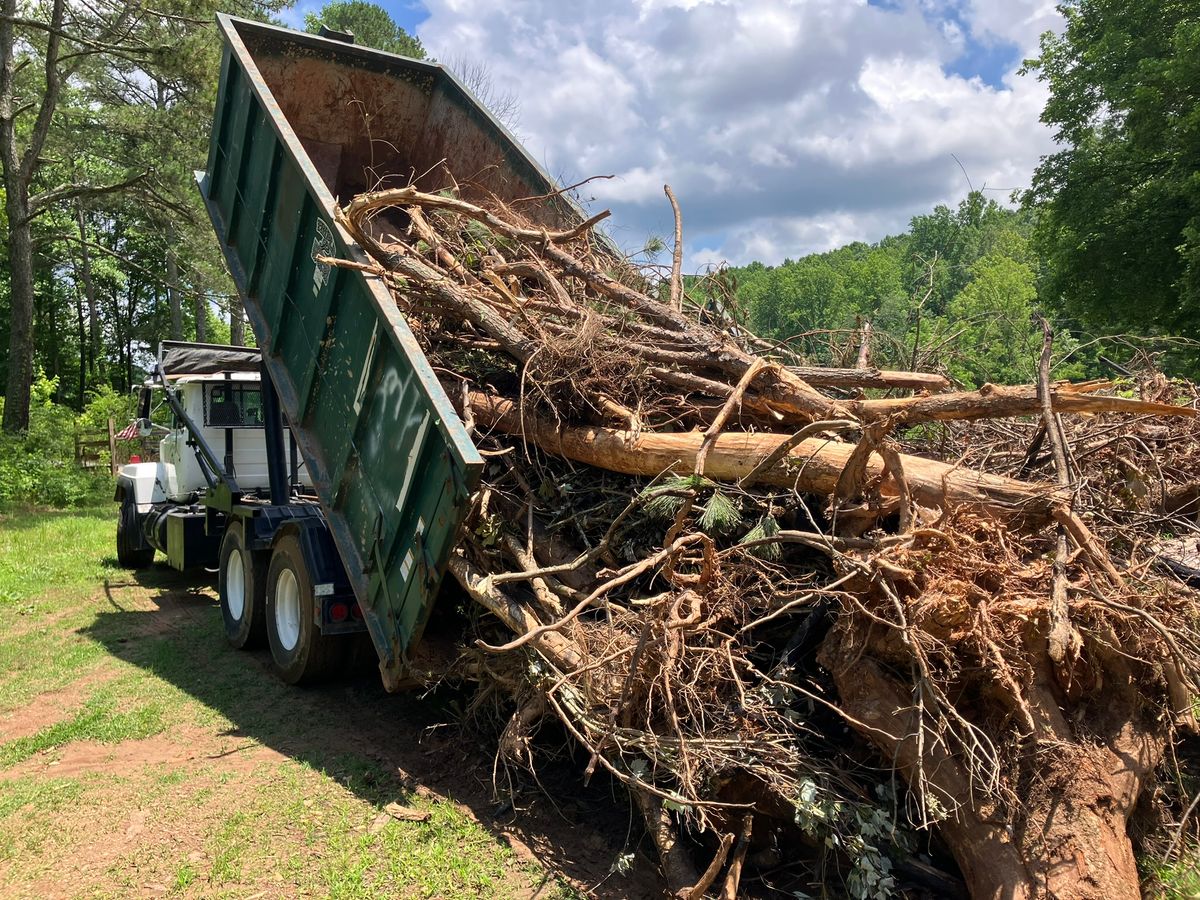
267 597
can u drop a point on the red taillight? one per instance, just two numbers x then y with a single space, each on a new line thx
339 612
356 611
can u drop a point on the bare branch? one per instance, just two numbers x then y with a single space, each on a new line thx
40 203
677 253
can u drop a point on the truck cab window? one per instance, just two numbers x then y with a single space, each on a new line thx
233 404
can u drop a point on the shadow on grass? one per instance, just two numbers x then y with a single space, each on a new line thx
381 746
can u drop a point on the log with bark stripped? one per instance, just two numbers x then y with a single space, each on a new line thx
813 466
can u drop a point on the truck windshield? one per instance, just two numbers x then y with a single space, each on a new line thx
233 404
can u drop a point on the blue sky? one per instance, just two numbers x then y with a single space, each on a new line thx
784 126
408 14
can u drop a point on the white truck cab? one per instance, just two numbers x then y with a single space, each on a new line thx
231 493
213 419
220 404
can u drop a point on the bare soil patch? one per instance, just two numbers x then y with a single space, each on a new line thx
51 707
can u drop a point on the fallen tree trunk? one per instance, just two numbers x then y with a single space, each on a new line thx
872 378
813 466
996 401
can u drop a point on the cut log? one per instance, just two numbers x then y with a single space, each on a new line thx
994 401
813 466
872 378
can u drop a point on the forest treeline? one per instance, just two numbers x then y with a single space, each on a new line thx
955 293
105 111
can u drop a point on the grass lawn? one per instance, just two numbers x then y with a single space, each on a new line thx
139 755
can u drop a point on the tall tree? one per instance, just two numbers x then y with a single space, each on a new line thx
1119 204
105 109
370 24
60 42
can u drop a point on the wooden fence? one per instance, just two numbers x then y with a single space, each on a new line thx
95 449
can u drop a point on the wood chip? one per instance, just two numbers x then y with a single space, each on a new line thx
406 813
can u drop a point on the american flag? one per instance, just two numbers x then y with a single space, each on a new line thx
131 433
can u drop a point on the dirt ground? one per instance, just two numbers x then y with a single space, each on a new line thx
140 755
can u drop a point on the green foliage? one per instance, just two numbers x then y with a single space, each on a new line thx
957 292
1119 205
665 499
766 527
105 403
37 468
720 515
108 262
994 311
1179 879
823 295
370 24
864 832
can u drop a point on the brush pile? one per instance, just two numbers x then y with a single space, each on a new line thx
756 597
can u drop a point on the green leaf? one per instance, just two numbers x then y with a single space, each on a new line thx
766 527
720 514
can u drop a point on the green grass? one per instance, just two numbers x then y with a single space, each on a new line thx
340 850
100 720
54 549
185 875
46 560
1179 880
28 808
217 820
47 794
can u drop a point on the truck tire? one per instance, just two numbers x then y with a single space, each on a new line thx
242 587
302 654
132 550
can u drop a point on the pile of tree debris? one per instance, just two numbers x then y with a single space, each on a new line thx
757 602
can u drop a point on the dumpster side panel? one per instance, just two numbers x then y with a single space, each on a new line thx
390 460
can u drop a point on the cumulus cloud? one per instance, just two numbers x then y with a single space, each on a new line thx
784 126
1020 22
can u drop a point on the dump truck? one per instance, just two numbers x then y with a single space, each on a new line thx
324 473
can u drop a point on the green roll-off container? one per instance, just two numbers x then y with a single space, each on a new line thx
302 123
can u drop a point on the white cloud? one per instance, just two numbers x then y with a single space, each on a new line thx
1019 21
784 126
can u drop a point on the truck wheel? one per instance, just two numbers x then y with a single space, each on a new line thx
132 550
301 653
242 586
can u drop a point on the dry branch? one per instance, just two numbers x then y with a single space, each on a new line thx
871 378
